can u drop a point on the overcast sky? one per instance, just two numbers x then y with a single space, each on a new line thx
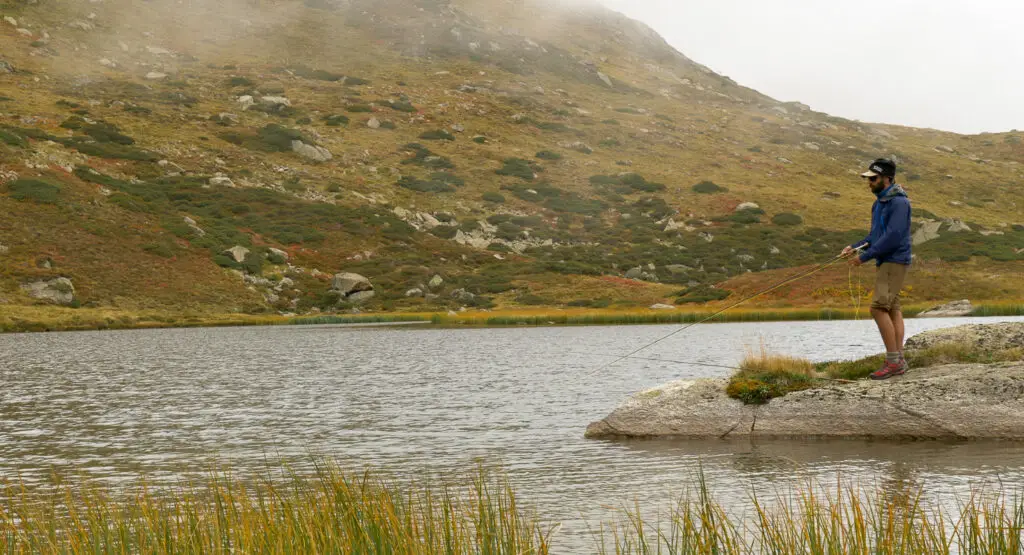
956 65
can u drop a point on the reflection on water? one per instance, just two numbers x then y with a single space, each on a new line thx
419 402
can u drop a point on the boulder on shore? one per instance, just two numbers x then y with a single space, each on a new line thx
953 401
58 290
950 310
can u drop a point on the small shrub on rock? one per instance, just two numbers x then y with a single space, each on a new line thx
35 190
437 135
517 167
491 196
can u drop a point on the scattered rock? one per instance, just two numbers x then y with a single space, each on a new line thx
949 310
946 149
106 62
459 128
157 51
6 67
246 102
578 146
606 80
58 290
4 249
927 232
956 226
706 236
222 181
435 282
678 269
463 296
416 292
660 306
635 273
237 253
747 206
812 146
314 153
81 25
374 123
830 195
194 227
11 21
155 76
774 250
275 101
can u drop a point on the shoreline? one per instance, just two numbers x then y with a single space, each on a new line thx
21 319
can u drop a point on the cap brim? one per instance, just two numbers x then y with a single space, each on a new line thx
869 174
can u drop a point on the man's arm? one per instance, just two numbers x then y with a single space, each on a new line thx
898 227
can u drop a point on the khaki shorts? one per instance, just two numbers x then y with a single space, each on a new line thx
888 283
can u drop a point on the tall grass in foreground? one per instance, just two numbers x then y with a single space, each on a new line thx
847 520
329 512
332 511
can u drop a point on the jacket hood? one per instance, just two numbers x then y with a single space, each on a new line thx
894 190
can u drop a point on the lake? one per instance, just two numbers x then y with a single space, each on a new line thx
418 402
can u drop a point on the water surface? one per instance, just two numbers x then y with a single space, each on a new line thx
413 402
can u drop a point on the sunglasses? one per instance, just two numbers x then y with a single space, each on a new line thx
874 178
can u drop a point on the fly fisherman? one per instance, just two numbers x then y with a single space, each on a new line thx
889 245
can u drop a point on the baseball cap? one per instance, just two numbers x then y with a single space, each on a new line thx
881 166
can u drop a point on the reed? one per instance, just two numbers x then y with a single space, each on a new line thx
357 319
327 510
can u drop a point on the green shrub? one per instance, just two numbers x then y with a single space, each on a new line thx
437 135
316 74
702 294
359 108
787 218
12 139
422 156
425 186
491 196
609 143
610 122
35 190
240 82
388 124
708 188
444 231
548 155
755 149
628 110
159 249
403 107
581 303
757 388
276 258
113 151
336 120
496 219
517 167
553 126
480 140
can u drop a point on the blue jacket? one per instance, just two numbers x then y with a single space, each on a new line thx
889 240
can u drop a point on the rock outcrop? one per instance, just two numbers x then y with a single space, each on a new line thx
955 401
58 290
352 288
950 310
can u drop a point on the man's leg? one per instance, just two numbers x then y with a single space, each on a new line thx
897 323
887 328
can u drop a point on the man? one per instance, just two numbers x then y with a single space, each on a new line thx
889 245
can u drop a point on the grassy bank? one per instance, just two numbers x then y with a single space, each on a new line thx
50 318
763 376
332 511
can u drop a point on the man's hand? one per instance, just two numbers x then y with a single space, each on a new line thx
856 261
847 251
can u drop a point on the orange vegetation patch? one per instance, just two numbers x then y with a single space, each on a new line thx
623 281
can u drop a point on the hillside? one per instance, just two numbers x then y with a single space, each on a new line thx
525 154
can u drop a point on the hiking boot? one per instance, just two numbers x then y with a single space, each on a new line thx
890 369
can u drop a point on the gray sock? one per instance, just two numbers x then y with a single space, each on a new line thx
892 358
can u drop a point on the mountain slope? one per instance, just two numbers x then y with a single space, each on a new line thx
506 146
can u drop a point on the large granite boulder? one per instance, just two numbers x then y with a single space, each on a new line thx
950 310
58 290
955 401
352 288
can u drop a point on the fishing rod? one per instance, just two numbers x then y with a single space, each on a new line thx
791 279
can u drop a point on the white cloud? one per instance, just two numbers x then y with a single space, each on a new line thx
956 65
